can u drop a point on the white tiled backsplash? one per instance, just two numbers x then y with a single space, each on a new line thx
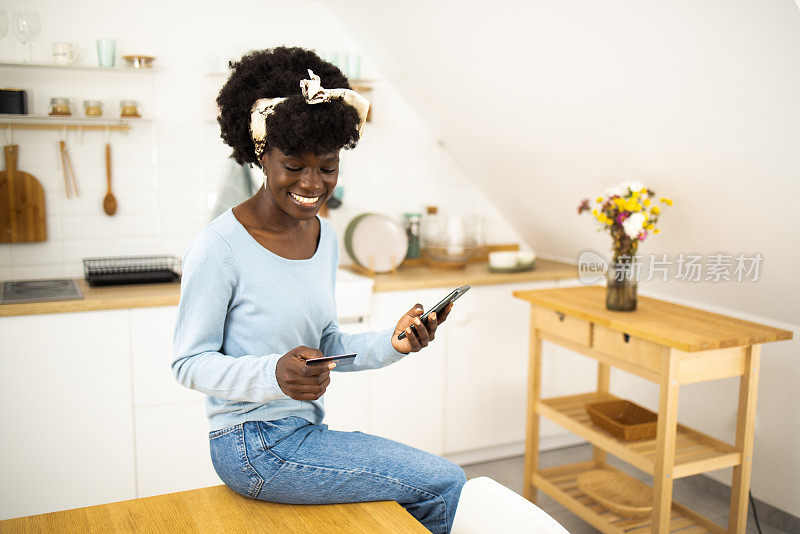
166 173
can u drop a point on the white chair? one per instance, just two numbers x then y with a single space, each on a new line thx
486 506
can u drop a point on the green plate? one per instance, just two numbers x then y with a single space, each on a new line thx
348 236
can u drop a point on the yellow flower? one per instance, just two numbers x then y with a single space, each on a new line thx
646 202
650 226
656 231
632 205
627 204
599 199
656 210
668 201
643 191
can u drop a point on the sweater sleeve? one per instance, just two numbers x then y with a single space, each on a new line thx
208 290
374 349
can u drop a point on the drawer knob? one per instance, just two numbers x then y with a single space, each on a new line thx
626 337
560 315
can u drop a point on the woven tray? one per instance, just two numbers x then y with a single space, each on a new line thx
623 419
617 492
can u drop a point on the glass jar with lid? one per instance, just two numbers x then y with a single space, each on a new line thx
129 108
412 223
59 107
93 108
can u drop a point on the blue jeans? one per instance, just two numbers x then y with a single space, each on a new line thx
290 460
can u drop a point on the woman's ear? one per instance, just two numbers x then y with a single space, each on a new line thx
263 161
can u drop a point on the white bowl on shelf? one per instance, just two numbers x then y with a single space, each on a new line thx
503 259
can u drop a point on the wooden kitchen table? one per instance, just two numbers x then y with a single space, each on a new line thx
219 509
670 345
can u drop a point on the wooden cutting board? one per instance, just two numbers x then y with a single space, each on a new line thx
22 215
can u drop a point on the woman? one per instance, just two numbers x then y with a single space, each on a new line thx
257 300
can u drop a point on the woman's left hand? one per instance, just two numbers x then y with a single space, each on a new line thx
417 334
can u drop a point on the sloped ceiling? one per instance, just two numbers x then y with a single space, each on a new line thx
544 103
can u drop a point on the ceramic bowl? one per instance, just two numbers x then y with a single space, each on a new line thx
503 259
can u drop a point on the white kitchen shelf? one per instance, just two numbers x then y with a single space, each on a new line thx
46 122
91 68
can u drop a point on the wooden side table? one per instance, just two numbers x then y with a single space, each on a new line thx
670 345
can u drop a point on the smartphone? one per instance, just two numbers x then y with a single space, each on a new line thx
455 294
340 359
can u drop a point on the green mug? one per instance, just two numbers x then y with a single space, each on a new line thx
106 52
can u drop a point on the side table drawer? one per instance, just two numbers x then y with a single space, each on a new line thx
629 348
564 326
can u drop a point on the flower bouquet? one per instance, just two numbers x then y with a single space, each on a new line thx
628 212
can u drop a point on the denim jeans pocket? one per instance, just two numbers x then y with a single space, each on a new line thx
230 460
272 432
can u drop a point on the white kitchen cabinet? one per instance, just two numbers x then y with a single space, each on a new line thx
346 405
172 449
171 425
67 432
346 401
407 397
151 353
486 378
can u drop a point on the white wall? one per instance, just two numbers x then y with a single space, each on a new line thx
167 173
545 103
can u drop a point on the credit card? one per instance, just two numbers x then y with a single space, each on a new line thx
340 359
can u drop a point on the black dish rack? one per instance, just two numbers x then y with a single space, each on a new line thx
131 270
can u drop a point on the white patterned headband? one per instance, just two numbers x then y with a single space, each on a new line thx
314 93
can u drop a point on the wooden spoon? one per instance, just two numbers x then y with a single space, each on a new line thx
109 202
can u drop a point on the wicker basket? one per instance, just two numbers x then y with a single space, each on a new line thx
623 419
617 492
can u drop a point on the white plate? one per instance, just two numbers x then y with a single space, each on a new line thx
380 238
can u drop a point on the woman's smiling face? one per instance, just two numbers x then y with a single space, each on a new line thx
298 184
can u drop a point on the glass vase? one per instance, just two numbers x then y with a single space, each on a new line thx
621 284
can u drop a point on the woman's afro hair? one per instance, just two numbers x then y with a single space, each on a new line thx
294 126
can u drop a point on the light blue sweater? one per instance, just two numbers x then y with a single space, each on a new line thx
242 307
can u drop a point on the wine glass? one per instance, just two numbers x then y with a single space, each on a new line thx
27 26
3 24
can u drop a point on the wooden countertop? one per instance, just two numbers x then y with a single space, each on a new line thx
666 323
101 298
219 509
475 274
411 277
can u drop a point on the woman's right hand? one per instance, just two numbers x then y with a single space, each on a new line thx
300 381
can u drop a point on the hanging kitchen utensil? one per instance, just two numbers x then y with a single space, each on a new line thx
109 202
70 183
72 178
64 170
22 214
